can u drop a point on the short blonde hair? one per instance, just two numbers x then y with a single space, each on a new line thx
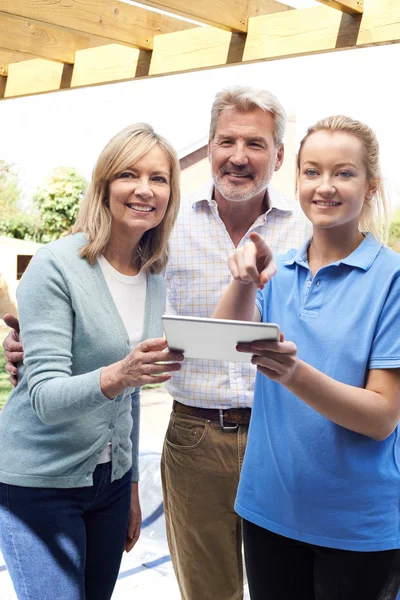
375 214
246 99
94 218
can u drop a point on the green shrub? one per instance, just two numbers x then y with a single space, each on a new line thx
20 226
394 236
58 202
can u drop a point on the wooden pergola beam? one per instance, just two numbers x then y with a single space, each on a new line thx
187 50
270 37
231 15
34 76
105 63
7 58
3 83
38 39
117 21
321 29
352 7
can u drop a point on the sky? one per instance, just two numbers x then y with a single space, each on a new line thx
71 127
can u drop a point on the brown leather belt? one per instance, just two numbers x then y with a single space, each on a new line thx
226 418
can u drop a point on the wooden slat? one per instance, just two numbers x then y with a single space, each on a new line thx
7 57
3 83
44 41
322 29
293 33
348 6
225 14
186 50
107 63
33 76
117 21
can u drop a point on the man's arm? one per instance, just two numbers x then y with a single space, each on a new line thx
13 350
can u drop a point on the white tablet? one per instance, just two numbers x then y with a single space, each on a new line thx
215 339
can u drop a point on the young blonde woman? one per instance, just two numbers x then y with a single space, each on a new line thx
320 485
69 431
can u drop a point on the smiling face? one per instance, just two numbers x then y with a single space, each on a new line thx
333 183
138 197
243 154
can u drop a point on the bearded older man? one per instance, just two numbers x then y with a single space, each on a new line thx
207 433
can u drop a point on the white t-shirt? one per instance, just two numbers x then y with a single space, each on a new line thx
129 295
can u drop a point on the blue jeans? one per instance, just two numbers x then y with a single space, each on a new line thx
65 544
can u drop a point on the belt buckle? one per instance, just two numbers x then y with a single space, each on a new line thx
223 426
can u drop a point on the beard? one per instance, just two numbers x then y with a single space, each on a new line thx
242 191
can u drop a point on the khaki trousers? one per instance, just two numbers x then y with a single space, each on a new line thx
200 470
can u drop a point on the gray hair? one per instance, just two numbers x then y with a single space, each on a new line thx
246 99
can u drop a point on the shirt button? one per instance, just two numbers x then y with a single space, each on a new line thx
317 284
308 283
118 398
111 426
115 449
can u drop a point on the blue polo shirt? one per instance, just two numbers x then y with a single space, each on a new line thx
303 476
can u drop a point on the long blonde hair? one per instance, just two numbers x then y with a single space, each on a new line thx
94 218
375 214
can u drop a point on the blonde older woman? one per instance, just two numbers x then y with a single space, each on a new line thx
69 431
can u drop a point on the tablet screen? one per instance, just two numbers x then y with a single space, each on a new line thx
215 339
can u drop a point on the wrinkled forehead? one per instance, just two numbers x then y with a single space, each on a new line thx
256 122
